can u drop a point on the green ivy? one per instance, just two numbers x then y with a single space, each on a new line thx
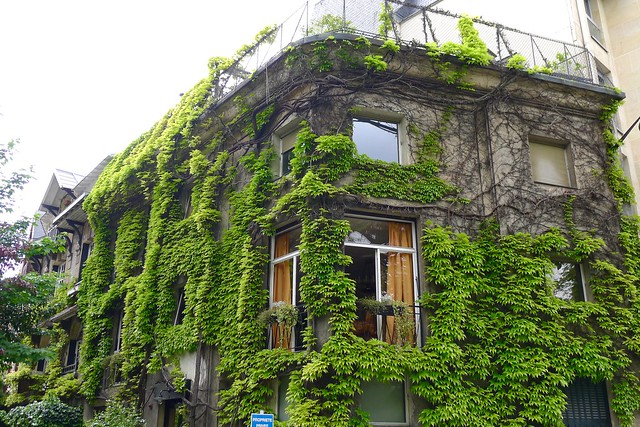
500 349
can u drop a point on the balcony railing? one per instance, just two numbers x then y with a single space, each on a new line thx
411 25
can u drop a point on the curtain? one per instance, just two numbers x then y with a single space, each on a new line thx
282 271
281 288
400 275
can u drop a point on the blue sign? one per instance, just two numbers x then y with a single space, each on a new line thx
261 420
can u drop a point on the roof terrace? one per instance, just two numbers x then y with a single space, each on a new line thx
412 23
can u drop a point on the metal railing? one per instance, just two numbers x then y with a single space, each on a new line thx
411 25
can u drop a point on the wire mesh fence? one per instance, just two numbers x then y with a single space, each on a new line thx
414 23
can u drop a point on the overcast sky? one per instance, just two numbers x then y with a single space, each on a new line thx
82 79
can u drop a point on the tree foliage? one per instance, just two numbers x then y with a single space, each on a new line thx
47 413
22 298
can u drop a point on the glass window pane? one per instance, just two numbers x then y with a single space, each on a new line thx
286 162
376 139
397 276
568 282
385 402
587 404
283 403
283 281
549 164
368 232
363 271
287 242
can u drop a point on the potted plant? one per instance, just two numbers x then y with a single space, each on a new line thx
281 317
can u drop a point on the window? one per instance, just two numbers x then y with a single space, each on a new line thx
179 317
593 18
285 275
71 357
587 404
551 162
384 402
283 403
284 141
84 255
287 144
377 139
117 339
568 283
41 365
383 266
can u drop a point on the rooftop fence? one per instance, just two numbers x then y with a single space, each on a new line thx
414 23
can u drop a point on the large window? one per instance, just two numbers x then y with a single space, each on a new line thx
587 404
285 275
377 139
551 162
383 266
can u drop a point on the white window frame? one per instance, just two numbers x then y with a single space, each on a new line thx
569 167
278 137
295 257
389 117
383 249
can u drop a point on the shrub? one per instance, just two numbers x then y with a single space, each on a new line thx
117 415
47 413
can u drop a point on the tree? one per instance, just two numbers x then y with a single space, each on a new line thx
22 298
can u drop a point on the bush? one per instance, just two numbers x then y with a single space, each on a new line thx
47 413
117 415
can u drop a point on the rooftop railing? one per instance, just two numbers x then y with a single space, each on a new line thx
412 24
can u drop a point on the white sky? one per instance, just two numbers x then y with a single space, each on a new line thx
82 79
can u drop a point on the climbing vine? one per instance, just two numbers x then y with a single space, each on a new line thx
192 203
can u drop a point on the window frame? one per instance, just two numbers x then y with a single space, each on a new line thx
72 367
278 138
578 388
379 250
407 414
181 306
386 116
294 257
569 164
581 278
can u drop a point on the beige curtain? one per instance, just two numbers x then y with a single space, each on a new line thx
400 276
281 288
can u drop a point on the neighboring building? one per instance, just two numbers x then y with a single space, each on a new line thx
61 214
362 233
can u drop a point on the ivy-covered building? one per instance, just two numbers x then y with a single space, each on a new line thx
368 231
